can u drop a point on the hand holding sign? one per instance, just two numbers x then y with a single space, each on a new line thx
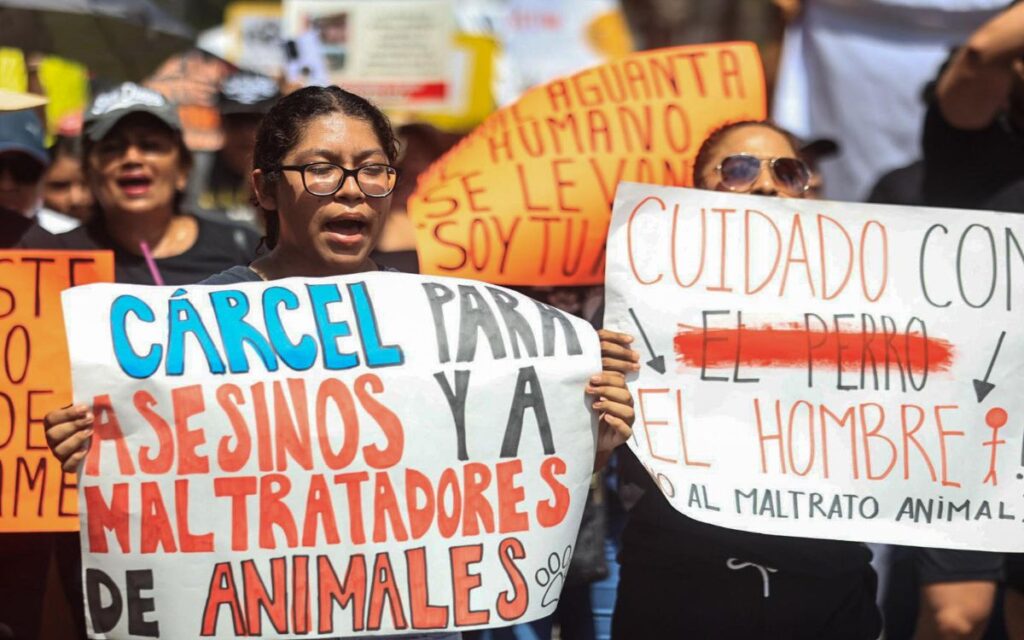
68 430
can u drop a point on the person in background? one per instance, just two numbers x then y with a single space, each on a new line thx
64 188
853 71
23 161
137 167
25 557
945 593
973 158
813 153
221 184
681 578
974 127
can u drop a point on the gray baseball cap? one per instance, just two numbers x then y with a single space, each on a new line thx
108 108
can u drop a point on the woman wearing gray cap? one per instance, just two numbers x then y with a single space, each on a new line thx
137 167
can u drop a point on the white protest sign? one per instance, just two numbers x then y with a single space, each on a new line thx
364 455
826 369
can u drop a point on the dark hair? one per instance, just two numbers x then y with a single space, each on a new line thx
70 146
704 155
284 123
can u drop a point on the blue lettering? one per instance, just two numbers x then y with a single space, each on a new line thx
322 295
377 355
132 363
299 356
184 320
231 308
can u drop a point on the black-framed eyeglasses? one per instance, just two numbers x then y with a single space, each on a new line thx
326 178
739 172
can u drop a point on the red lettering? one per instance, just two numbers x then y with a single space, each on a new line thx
162 462
464 582
552 512
510 496
389 423
423 614
188 402
229 459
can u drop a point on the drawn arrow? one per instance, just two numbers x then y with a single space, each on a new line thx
657 362
983 387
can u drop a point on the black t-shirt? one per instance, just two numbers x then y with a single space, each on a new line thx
219 245
1009 199
965 168
14 227
903 186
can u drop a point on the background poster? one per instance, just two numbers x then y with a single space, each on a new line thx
35 377
525 198
328 457
826 369
254 32
397 53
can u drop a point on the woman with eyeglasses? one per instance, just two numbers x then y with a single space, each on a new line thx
323 179
681 578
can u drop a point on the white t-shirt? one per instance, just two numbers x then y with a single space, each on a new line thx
55 222
854 71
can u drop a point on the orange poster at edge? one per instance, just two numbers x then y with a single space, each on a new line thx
525 199
35 377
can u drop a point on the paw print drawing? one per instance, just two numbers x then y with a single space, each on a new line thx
553 576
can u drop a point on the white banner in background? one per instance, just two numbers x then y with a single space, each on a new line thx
398 53
826 369
365 455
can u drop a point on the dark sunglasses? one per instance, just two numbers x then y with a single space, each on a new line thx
22 168
740 172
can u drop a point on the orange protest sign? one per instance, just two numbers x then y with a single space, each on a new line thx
526 198
35 377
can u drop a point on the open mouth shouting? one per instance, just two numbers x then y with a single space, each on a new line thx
134 184
347 230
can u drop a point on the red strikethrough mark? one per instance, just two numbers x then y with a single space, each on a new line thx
793 345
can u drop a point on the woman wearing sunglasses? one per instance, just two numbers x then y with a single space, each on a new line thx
751 157
681 578
323 179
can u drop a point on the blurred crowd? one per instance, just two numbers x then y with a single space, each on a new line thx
886 101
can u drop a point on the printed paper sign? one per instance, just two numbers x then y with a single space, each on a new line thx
365 455
394 52
254 32
525 199
826 369
35 377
